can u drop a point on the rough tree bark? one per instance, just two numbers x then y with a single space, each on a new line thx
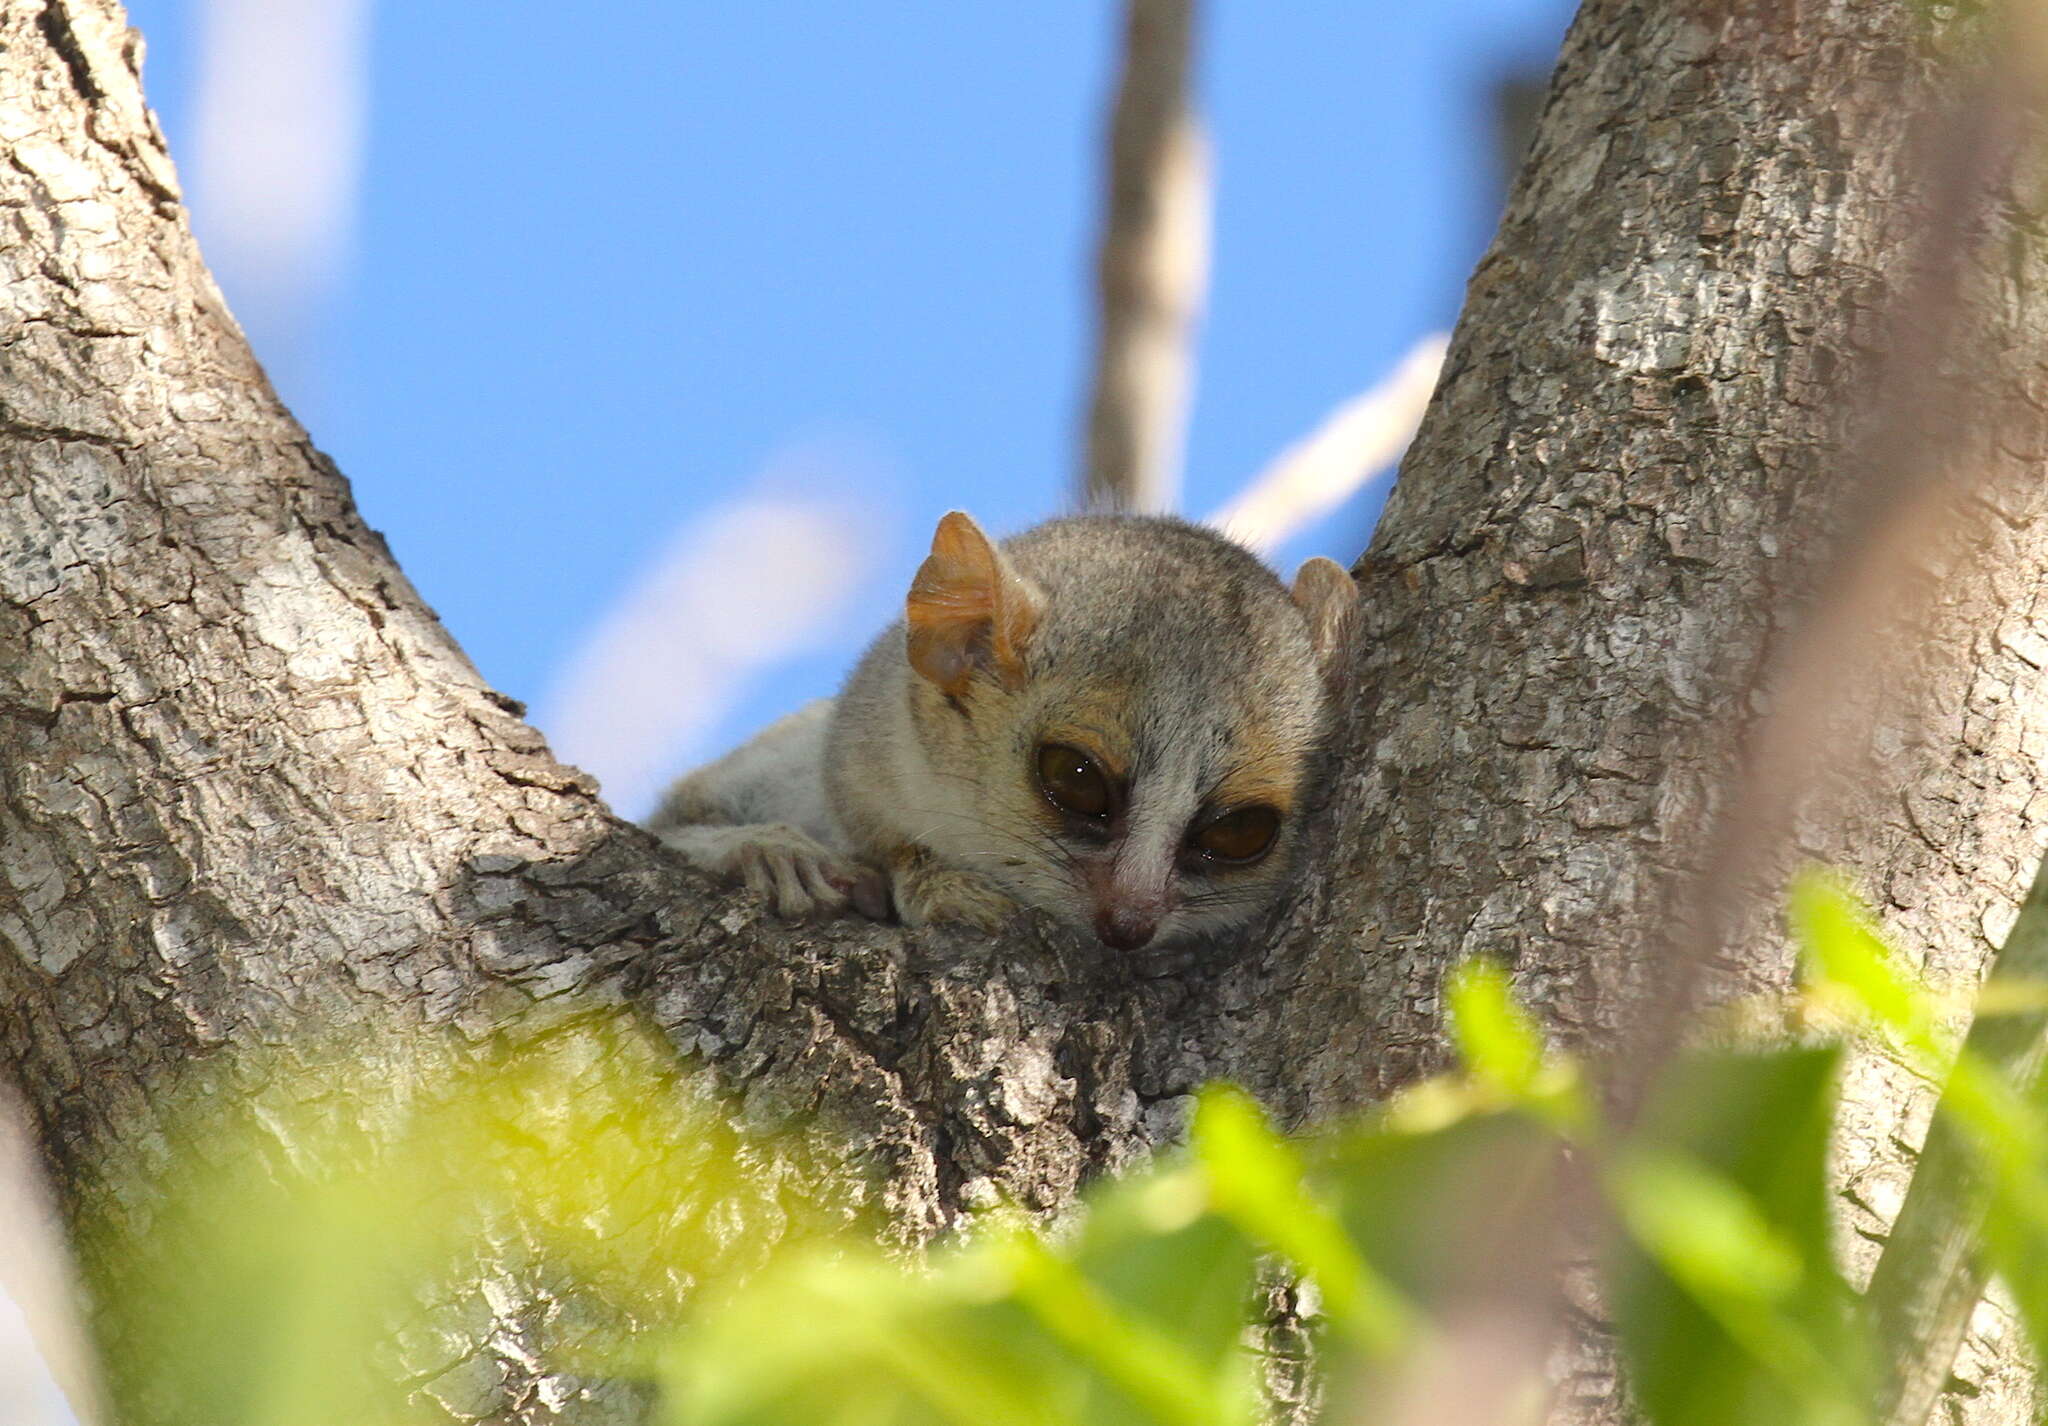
1631 465
249 787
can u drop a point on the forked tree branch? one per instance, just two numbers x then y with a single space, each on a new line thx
249 787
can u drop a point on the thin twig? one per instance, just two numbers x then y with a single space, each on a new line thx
1152 267
1931 1276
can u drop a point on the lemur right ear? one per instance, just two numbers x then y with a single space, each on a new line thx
1328 598
968 609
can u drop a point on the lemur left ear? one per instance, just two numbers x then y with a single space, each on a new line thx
1328 599
968 609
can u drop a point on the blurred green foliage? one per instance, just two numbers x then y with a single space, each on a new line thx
323 1227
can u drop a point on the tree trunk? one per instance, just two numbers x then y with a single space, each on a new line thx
251 787
1634 455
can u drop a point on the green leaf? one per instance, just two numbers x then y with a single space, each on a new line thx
1502 1050
1136 1314
1153 1249
1256 1179
2004 1187
2017 1250
845 1338
2005 1131
1707 1231
1437 1212
1145 1362
1727 1300
1500 1046
1443 1215
1848 965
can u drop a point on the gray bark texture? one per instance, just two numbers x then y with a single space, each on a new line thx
1628 478
250 790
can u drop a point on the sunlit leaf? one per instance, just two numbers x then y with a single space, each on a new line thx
1502 1050
341 1217
848 1337
1150 1366
2005 1131
1154 1249
1446 1216
1728 1302
1848 966
1256 1179
1499 1044
1705 1230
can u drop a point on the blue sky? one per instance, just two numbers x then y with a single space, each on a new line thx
612 262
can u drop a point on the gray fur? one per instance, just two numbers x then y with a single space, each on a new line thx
1164 638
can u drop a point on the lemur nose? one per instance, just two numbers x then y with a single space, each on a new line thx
1124 928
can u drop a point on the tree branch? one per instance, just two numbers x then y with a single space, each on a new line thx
250 788
1151 267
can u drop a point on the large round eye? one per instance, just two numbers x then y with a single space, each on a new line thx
1240 836
1072 782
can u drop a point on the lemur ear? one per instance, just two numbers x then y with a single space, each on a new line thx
968 609
1328 599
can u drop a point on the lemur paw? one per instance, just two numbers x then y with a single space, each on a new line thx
793 872
926 892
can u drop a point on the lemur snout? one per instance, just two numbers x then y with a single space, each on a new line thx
1125 928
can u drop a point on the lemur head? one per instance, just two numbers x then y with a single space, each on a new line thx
1120 714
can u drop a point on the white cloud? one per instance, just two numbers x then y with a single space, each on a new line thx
735 591
278 147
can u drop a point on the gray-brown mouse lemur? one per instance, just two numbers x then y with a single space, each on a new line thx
1110 718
